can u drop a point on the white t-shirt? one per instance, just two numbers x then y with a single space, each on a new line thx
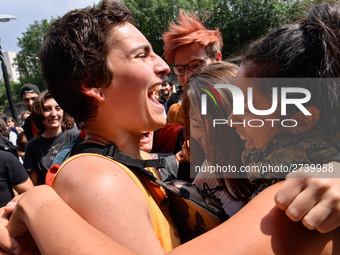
13 137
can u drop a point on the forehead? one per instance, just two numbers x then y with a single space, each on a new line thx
187 53
244 81
126 38
29 95
50 102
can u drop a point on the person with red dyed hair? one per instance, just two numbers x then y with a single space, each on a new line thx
187 46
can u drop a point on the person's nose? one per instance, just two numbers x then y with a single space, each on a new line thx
30 102
161 67
187 74
54 112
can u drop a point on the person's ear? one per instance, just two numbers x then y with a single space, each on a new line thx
218 56
305 122
94 92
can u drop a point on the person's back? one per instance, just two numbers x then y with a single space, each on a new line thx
12 176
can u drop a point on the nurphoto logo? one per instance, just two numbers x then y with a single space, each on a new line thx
239 101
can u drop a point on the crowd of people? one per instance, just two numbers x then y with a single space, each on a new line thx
95 205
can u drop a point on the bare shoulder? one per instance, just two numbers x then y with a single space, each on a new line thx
104 194
93 173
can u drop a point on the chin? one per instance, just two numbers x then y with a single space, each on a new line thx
161 124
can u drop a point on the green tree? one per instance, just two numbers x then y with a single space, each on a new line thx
152 17
15 88
244 21
240 21
28 58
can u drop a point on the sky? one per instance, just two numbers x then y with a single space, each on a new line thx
27 11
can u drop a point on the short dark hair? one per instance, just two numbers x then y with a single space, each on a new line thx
166 79
38 117
74 54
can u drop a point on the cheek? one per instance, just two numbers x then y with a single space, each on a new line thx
45 115
181 79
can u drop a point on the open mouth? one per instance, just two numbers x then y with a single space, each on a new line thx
249 144
146 136
53 120
153 92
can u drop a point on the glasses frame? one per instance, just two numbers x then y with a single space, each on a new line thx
186 67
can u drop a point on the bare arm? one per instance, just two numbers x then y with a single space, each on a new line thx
21 153
259 228
24 186
34 177
46 216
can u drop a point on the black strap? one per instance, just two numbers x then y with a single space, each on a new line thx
111 151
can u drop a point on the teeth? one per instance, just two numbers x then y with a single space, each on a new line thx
243 137
155 88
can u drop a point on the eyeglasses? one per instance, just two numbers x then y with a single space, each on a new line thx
192 66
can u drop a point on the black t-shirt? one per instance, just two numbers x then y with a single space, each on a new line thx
12 173
41 152
28 128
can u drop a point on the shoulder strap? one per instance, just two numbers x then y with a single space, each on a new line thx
111 151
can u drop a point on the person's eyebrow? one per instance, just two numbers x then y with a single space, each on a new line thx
146 48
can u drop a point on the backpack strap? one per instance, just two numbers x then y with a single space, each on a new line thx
111 151
136 165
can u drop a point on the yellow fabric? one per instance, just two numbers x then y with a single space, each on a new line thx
162 223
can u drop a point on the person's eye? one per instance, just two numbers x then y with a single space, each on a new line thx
195 65
142 55
180 69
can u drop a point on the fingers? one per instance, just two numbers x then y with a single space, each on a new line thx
303 203
314 201
291 188
10 207
324 216
179 156
7 242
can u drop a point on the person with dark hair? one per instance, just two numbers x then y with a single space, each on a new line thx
166 92
14 125
28 93
56 128
23 116
21 138
308 52
6 143
101 207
